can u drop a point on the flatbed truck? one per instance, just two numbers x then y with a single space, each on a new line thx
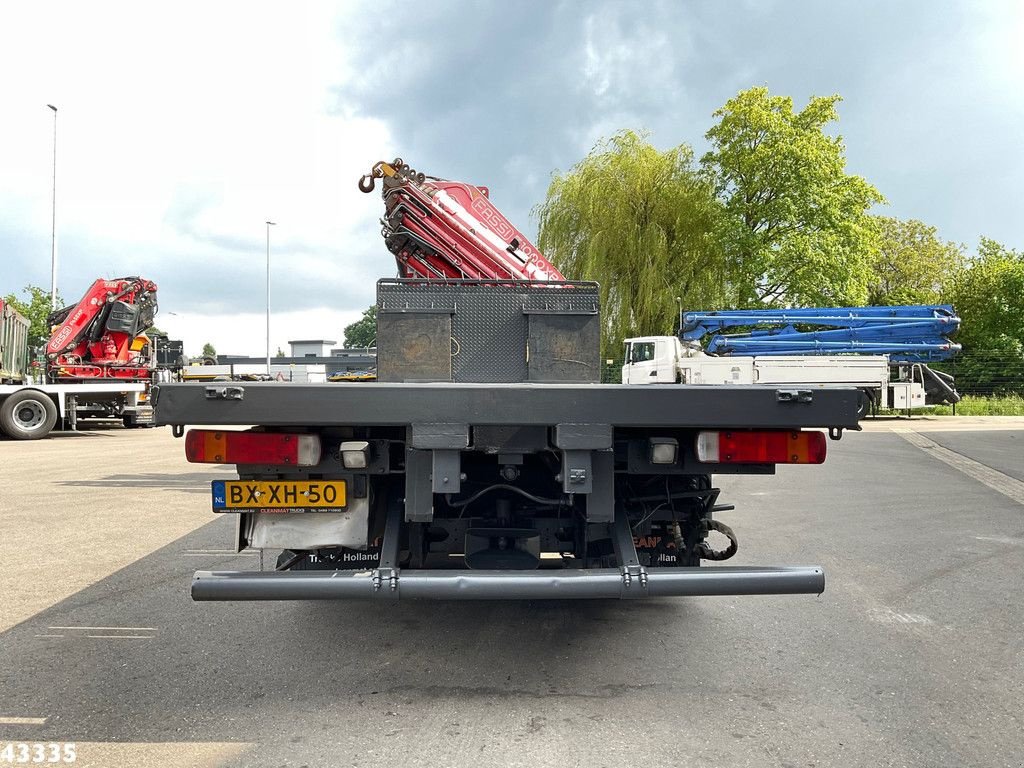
486 461
98 362
32 411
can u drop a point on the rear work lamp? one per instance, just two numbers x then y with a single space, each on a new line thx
663 450
355 454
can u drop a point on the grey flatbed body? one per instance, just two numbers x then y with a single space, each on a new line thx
524 404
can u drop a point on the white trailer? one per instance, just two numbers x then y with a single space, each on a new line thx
32 411
667 360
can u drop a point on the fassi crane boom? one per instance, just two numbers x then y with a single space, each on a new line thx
447 230
101 337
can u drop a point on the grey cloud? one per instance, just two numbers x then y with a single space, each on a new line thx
204 278
470 89
189 204
503 93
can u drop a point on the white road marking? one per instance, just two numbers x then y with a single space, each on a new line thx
889 616
121 637
49 635
944 424
1002 540
113 629
993 478
4 720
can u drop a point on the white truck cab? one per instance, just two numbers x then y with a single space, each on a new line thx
666 360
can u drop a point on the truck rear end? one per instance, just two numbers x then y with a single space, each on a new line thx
488 462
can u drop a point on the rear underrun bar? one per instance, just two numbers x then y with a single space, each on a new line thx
390 582
507 585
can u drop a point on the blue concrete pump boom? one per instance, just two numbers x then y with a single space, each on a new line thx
915 333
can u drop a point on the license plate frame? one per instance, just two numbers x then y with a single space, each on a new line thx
279 496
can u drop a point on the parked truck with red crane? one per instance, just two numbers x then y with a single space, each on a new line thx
487 461
98 362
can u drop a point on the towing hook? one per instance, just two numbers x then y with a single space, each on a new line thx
366 183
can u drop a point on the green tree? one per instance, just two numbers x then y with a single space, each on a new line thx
640 222
363 332
279 353
912 264
208 350
797 230
154 331
988 294
36 308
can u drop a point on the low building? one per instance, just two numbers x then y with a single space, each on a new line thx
311 347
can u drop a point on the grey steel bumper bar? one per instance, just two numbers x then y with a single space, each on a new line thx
506 585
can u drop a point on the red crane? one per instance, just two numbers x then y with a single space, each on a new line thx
439 229
102 336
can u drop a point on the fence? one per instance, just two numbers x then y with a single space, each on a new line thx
985 373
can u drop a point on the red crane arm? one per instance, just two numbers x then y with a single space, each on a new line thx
440 229
94 337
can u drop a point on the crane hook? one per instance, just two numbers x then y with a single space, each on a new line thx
379 171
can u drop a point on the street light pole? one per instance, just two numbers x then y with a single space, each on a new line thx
53 224
269 225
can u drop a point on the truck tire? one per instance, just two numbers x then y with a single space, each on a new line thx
27 415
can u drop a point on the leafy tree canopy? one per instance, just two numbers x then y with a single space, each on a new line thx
797 230
912 264
988 293
637 220
363 332
208 350
36 308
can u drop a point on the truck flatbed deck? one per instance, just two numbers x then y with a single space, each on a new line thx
516 404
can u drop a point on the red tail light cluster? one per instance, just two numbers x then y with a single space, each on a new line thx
217 446
765 447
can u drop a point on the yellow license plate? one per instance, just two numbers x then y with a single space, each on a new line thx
278 495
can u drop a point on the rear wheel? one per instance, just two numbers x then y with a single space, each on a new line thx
27 415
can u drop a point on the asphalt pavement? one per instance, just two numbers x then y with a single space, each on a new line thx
913 656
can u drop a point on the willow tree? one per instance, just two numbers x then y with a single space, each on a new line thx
639 221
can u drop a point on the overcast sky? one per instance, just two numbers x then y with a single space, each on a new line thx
183 126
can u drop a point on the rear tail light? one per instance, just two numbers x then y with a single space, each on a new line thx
774 447
215 446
